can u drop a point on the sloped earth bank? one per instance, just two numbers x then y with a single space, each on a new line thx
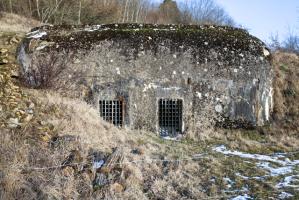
54 147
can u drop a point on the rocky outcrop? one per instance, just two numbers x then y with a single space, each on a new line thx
15 108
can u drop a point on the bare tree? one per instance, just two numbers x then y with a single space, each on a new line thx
206 12
289 44
115 11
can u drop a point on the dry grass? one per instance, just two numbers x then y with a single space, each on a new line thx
79 119
15 23
77 127
286 88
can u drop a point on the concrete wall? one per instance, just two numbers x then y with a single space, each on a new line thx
221 83
212 92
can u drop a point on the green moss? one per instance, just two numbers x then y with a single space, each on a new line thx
284 68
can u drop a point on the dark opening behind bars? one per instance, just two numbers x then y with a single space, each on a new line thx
170 117
112 111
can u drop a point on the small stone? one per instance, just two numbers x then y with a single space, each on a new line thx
31 105
13 123
14 40
3 61
117 188
28 118
14 73
29 111
266 52
77 61
100 179
68 171
218 108
43 123
137 151
46 138
2 51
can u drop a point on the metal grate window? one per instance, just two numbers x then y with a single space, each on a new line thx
170 117
112 111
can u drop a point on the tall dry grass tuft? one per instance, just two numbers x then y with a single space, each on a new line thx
77 118
12 155
286 92
16 23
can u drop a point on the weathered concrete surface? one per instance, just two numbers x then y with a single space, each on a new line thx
222 74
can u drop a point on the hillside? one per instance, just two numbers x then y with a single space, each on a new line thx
56 147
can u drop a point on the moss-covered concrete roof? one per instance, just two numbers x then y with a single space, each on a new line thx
180 36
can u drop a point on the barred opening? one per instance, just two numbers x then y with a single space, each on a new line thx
170 117
112 111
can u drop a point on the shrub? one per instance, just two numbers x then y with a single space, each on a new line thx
47 70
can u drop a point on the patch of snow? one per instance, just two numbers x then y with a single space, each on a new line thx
285 195
36 34
275 171
289 181
243 177
285 169
98 164
170 138
242 197
229 182
222 149
92 28
244 189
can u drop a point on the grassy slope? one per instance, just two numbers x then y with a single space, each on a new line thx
60 127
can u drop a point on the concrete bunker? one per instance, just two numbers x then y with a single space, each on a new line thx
170 79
